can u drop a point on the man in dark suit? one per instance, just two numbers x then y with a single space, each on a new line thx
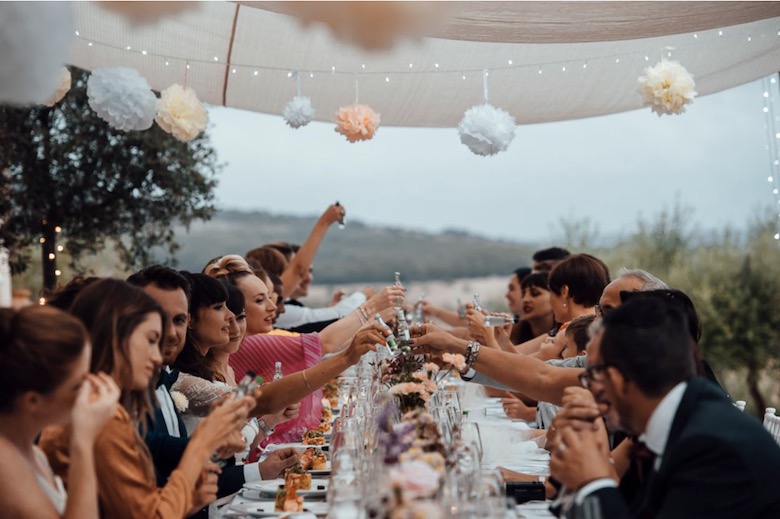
708 459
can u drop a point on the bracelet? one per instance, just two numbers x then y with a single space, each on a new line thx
306 381
468 355
363 311
362 321
267 431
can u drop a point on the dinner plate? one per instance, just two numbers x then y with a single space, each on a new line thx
299 446
265 509
319 487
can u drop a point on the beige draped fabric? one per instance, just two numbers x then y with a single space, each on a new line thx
546 61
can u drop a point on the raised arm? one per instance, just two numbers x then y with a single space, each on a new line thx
302 261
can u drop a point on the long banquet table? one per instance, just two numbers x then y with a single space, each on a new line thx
507 443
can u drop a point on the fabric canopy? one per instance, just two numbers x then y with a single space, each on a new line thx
545 61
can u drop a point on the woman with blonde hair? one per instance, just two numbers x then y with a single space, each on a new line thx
303 353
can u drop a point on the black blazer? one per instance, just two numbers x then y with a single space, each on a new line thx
719 464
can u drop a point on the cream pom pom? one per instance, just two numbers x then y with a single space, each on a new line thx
667 87
486 130
357 122
180 401
298 112
34 44
180 113
122 98
63 87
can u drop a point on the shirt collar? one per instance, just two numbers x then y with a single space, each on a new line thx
660 423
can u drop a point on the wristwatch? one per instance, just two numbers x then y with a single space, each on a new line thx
267 431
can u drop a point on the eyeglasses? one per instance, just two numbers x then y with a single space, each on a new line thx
592 374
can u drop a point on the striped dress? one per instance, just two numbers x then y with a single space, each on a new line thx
296 353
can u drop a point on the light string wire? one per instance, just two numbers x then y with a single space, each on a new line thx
712 35
771 95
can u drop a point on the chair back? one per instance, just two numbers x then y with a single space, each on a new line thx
772 423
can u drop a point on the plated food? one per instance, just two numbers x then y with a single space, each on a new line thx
313 459
313 438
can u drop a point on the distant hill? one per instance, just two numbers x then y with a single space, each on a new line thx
359 253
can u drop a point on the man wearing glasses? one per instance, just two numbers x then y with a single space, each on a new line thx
708 459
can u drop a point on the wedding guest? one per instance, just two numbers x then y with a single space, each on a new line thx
544 260
64 296
707 458
576 284
529 298
298 354
45 380
125 327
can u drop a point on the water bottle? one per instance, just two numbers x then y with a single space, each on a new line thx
392 344
498 320
403 327
477 306
398 280
461 309
277 371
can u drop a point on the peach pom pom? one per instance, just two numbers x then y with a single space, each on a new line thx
357 122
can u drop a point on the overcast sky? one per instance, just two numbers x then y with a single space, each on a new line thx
608 169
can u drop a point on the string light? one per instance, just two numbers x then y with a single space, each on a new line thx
60 248
42 301
43 240
509 64
58 229
255 73
771 98
58 272
51 256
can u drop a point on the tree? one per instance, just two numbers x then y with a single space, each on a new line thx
64 169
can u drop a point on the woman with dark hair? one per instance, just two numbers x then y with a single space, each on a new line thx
125 326
576 285
206 376
44 381
534 307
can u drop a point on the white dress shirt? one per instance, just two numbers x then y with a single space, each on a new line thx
655 436
299 315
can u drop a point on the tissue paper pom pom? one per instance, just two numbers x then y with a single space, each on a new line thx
298 112
36 38
140 13
62 88
180 113
122 98
667 87
486 130
373 25
357 122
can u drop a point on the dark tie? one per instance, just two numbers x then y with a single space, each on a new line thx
644 460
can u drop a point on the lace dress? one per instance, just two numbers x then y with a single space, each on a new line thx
201 395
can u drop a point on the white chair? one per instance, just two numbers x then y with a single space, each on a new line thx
772 423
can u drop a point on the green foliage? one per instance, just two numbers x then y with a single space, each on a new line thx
733 279
66 166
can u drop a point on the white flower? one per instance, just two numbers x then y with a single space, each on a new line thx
180 401
180 113
667 87
416 478
298 112
122 97
486 130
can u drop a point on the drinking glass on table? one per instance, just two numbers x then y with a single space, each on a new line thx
471 436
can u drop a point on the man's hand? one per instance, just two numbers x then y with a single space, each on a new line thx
580 457
273 466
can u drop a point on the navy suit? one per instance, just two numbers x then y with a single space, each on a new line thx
718 464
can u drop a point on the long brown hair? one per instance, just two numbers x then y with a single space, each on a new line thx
38 346
111 309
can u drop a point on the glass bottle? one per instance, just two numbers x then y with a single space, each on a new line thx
277 371
392 344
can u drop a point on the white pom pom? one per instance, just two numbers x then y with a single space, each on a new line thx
486 130
298 112
180 113
122 98
667 87
35 38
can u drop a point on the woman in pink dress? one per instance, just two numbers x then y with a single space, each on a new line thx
298 353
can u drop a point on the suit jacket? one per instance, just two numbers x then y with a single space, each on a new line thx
719 464
167 450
